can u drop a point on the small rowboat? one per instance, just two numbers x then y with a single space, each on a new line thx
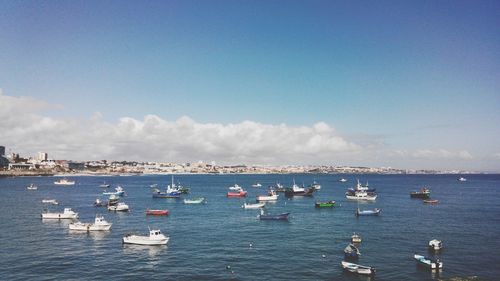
253 206
374 212
359 269
283 216
157 212
431 201
237 194
322 204
194 200
428 262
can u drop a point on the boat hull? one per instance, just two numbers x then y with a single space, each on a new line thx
89 227
307 192
428 263
253 206
144 240
283 216
157 212
374 212
328 204
236 194
59 216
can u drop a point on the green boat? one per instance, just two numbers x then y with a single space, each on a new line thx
324 204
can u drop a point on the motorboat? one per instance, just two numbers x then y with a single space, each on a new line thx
462 179
32 187
236 187
155 238
424 193
271 196
157 212
435 245
359 269
100 224
66 214
315 185
119 191
241 193
256 184
64 181
361 195
99 203
355 238
282 216
342 180
351 252
50 201
374 212
428 262
324 204
253 205
120 207
198 200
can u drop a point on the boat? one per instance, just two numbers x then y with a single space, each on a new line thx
198 200
177 187
237 194
374 212
119 191
256 184
282 216
157 212
104 185
351 252
66 214
100 224
64 181
342 180
50 201
253 205
120 207
155 238
295 190
271 196
167 194
462 179
278 187
359 269
32 187
99 203
428 262
236 187
113 200
435 245
360 187
430 201
361 195
324 204
154 185
355 238
315 185
424 193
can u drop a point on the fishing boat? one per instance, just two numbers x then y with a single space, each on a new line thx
66 214
324 204
360 187
155 238
119 191
374 212
430 201
236 187
359 269
315 185
424 193
50 201
462 179
253 205
241 193
120 207
428 262
177 187
167 194
256 184
278 187
355 238
351 252
100 224
198 200
157 212
361 195
435 245
295 190
64 181
271 196
282 216
32 187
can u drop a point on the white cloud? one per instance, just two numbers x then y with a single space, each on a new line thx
441 154
27 131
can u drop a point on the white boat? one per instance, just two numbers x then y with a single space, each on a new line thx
253 205
355 238
361 195
120 207
428 262
315 185
50 201
64 182
462 179
359 269
104 185
155 238
435 245
67 214
342 180
257 184
236 187
100 224
272 196
194 200
119 191
32 187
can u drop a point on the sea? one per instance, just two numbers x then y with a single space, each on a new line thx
219 240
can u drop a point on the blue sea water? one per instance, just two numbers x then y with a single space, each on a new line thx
207 239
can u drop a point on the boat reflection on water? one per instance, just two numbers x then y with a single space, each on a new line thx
64 222
94 235
350 276
153 251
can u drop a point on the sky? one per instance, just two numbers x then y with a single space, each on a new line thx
403 84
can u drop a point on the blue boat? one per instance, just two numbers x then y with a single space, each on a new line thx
374 212
174 194
283 216
351 252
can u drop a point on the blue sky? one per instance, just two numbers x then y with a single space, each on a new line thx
404 76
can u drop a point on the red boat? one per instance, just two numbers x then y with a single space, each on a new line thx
157 212
237 194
